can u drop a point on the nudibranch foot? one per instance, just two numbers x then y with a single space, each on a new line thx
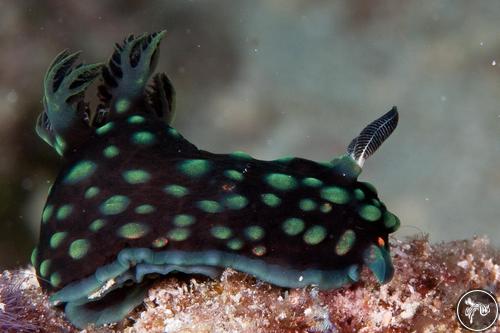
135 199
378 260
114 308
86 300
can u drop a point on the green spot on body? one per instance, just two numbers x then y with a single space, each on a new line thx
370 213
143 138
136 176
307 205
173 132
235 201
133 230
234 175
57 239
178 234
122 105
281 181
335 194
64 211
79 248
60 141
235 244
136 119
240 155
209 206
313 182
359 194
91 192
44 267
391 221
195 168
59 150
176 190
144 209
97 225
221 232
111 151
80 171
254 232
55 279
34 255
293 226
105 128
184 220
314 235
60 145
47 213
270 199
115 205
345 243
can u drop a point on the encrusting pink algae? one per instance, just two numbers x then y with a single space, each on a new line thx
427 283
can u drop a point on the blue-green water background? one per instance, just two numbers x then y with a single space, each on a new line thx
284 77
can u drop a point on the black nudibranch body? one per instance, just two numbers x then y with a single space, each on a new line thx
135 198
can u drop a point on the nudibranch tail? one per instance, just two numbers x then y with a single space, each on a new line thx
372 136
135 199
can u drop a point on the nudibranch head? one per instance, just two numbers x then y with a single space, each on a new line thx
134 198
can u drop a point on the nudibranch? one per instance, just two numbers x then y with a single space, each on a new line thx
136 200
